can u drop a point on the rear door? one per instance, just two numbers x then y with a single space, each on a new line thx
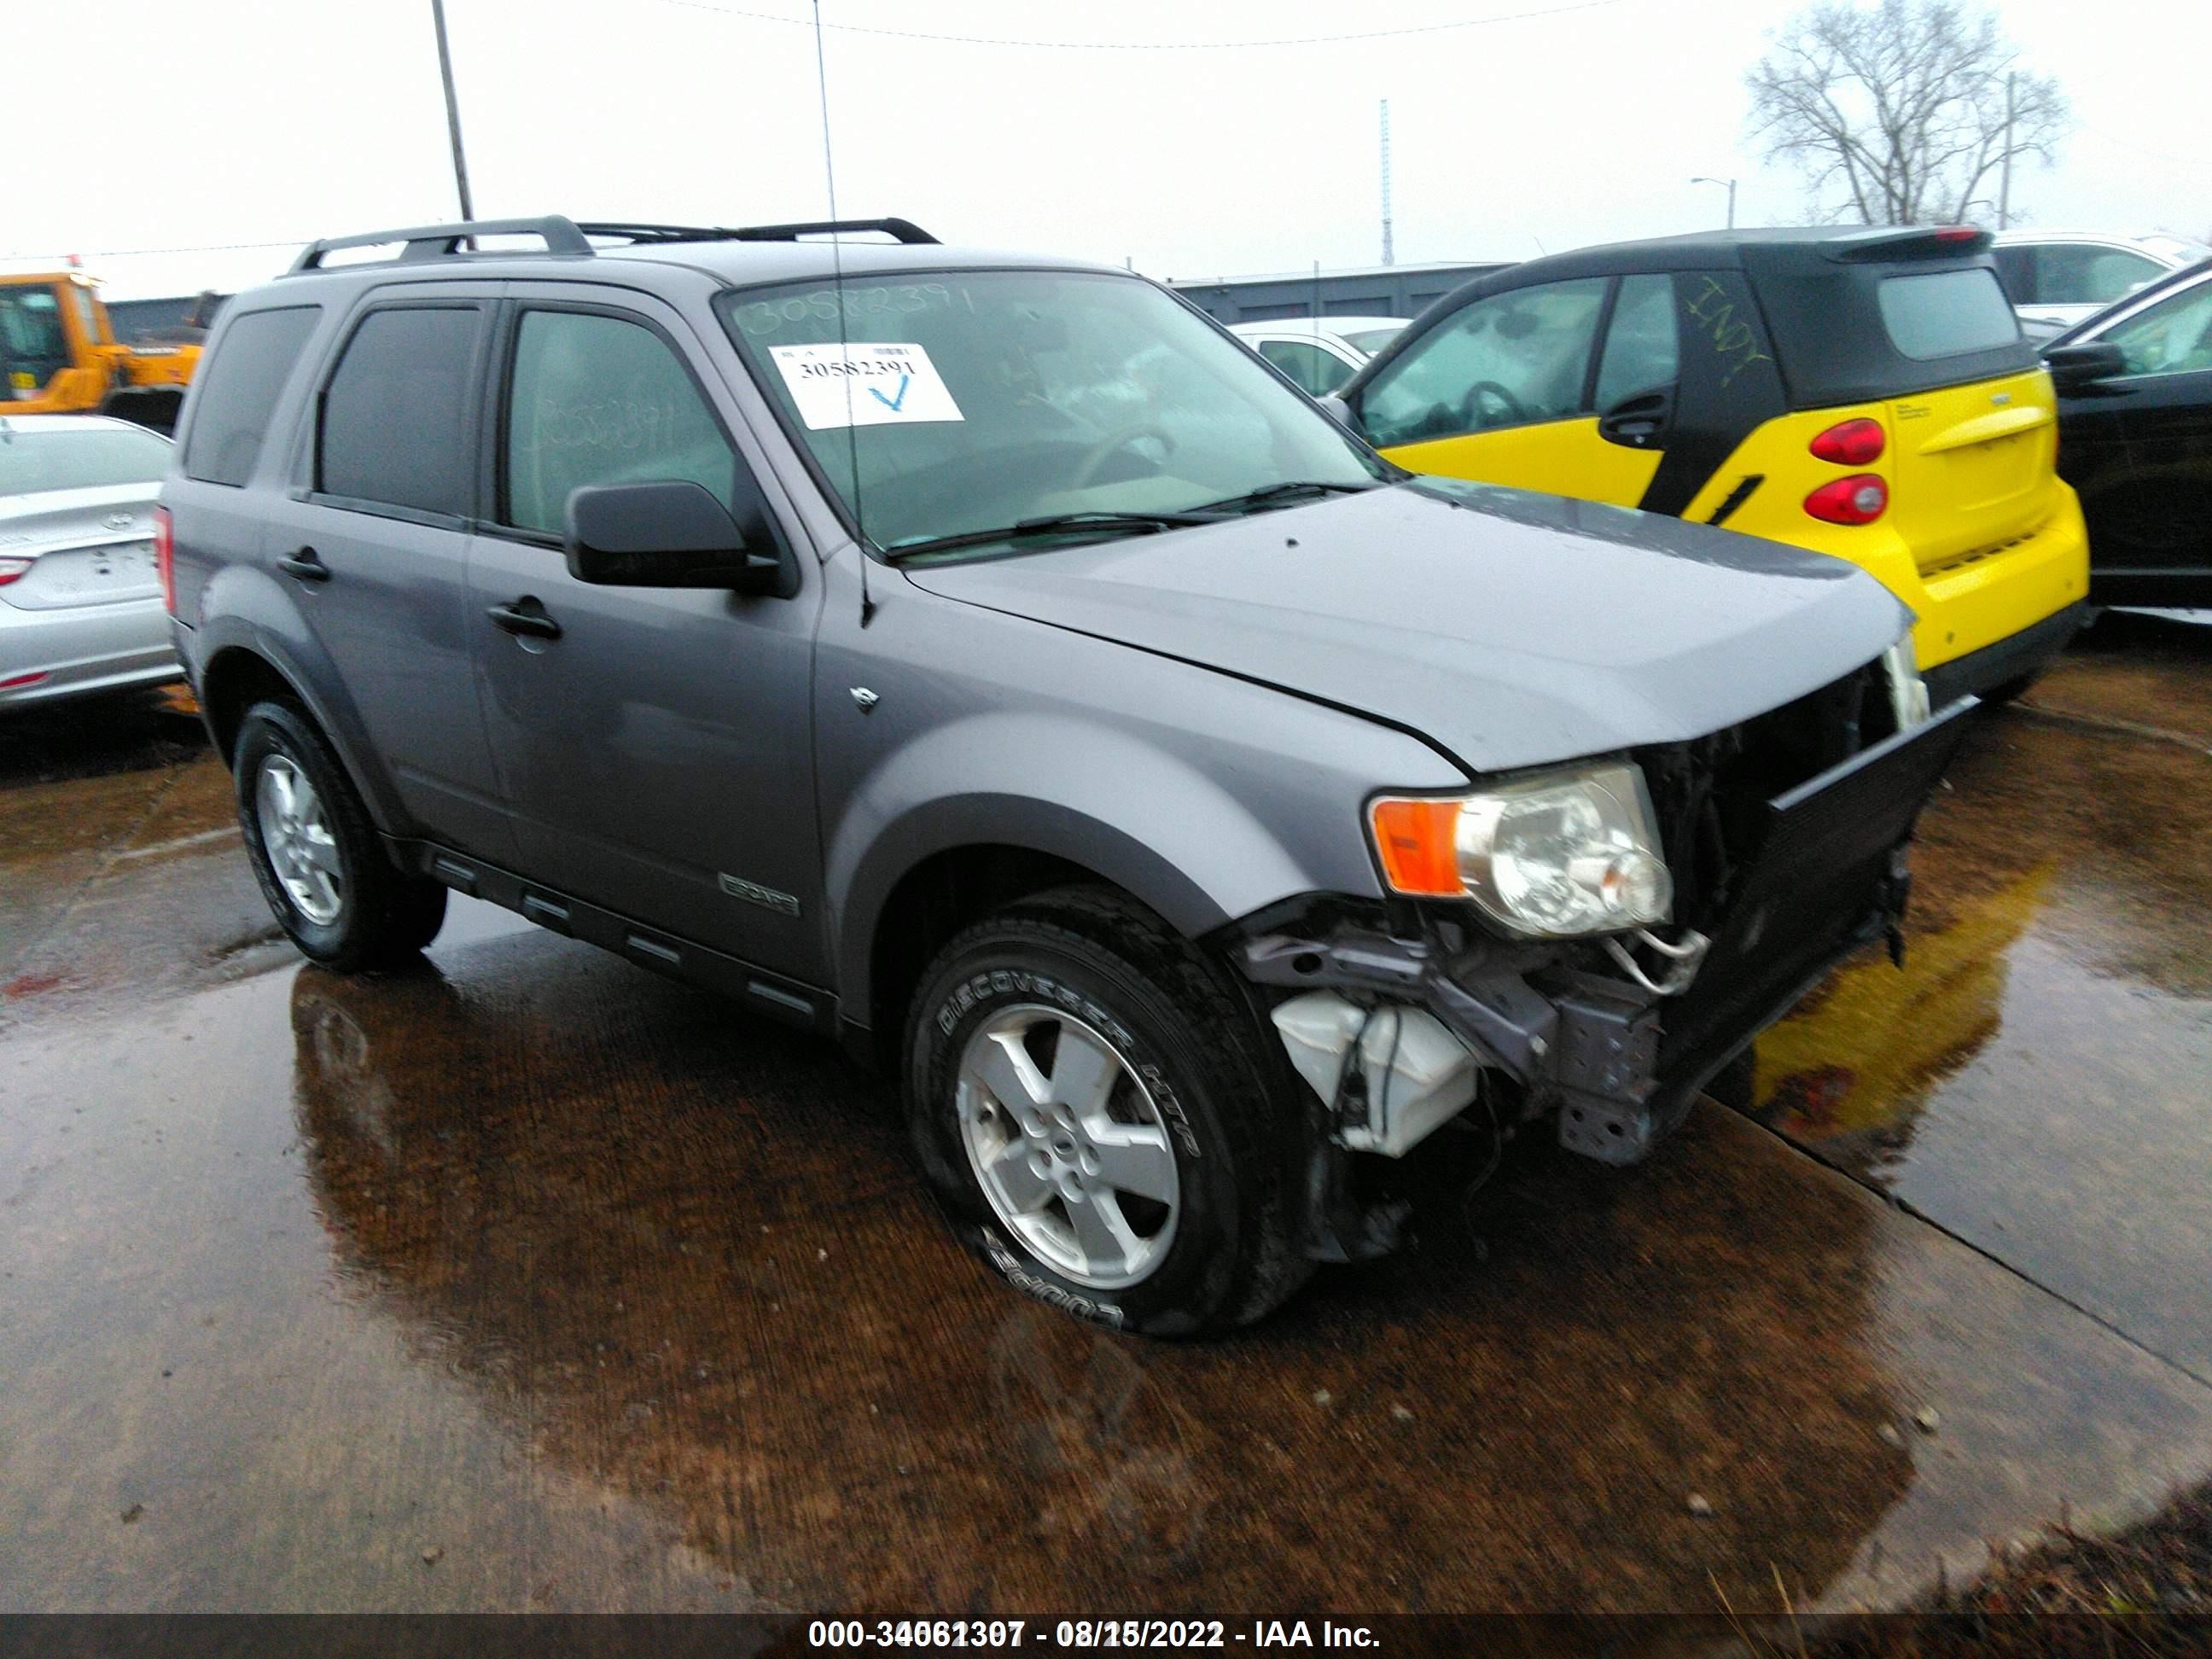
1973 463
656 745
1504 390
373 543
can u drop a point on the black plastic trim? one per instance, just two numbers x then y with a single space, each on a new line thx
786 1000
2012 658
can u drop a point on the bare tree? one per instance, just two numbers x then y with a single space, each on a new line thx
1901 113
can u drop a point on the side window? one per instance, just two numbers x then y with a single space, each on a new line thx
1641 351
2016 271
239 388
1509 359
2085 274
596 400
395 426
2174 337
1317 370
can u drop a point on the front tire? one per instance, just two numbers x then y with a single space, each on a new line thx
1095 1109
317 856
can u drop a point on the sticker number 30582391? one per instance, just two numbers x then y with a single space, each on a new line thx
864 384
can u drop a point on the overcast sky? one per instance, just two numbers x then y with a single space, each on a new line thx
274 123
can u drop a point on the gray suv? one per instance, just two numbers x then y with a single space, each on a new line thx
985 660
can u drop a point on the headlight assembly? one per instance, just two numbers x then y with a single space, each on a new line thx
1553 856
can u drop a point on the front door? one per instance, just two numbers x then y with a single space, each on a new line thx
1509 389
655 745
2150 526
376 547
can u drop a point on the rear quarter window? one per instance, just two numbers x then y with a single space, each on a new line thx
240 385
1946 313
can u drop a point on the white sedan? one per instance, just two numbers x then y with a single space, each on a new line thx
1319 354
80 606
2058 278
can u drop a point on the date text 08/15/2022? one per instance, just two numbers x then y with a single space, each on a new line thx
1084 1634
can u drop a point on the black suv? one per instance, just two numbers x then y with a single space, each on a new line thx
988 660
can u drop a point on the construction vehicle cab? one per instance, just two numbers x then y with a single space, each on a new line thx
59 356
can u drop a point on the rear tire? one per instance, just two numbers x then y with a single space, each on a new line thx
1096 1112
319 861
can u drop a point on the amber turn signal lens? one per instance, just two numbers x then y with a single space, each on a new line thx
1418 843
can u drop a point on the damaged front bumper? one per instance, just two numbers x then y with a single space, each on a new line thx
1619 1040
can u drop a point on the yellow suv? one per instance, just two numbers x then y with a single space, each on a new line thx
1861 392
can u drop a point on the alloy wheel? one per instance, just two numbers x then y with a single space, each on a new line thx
1069 1146
296 835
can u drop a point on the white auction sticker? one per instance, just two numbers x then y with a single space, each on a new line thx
864 384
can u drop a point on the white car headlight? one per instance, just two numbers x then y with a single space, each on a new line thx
1554 856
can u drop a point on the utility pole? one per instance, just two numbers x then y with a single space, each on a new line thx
2004 176
453 109
1388 257
1730 184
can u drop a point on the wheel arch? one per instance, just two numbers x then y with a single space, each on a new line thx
241 668
975 857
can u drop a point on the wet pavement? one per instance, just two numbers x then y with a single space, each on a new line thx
528 1280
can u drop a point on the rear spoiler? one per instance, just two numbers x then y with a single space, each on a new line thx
1908 242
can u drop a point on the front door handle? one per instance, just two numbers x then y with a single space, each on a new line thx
1637 422
524 616
306 564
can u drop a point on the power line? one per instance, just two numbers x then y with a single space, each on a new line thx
140 252
1143 45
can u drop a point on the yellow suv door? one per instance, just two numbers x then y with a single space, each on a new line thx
1862 392
1506 391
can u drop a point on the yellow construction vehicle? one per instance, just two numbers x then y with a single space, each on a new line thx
59 356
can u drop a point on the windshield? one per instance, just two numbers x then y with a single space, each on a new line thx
976 399
90 458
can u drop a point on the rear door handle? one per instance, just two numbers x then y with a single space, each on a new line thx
524 616
306 564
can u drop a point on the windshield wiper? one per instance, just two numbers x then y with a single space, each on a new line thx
1269 494
1050 525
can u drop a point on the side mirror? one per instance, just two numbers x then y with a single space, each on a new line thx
2075 367
1339 410
671 533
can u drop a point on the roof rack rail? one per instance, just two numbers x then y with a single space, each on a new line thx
903 230
567 237
441 241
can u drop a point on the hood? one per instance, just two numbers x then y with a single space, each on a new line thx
55 519
1509 629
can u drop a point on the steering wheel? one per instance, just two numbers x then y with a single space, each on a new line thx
1095 458
1471 405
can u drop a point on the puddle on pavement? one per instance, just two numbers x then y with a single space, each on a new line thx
619 1298
2037 1079
528 1280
